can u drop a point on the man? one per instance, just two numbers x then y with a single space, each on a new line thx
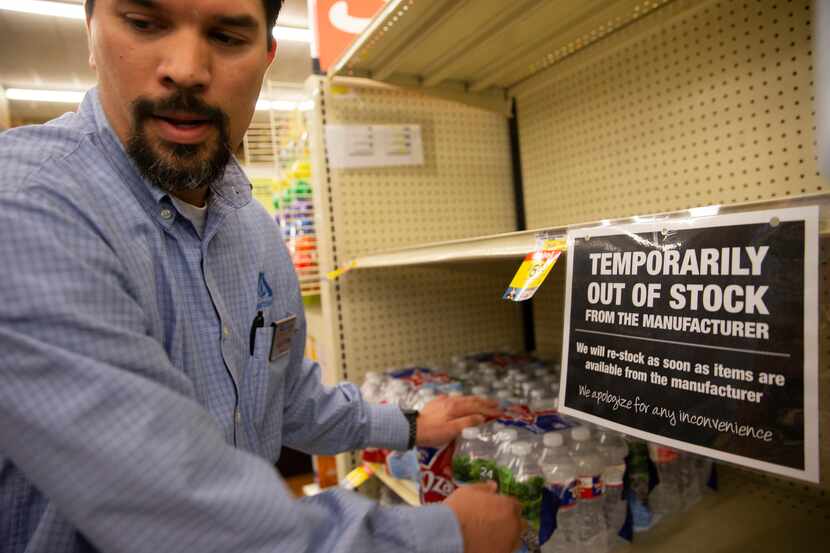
152 330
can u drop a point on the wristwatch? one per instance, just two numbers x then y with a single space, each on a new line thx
412 418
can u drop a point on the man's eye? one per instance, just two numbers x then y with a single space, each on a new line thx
227 40
142 24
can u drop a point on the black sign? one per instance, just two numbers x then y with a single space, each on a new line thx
693 334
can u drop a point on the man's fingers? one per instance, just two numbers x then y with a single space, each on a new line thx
465 422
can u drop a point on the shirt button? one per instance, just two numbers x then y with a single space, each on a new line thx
166 214
226 331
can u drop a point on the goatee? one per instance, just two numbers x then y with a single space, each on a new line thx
179 167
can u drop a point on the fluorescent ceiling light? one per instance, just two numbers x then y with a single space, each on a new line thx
291 34
41 7
280 105
57 96
76 96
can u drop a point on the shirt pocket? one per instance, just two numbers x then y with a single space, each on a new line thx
262 346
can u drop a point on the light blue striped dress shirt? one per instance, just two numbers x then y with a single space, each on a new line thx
132 416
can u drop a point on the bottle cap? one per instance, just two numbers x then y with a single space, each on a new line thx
470 433
553 439
520 448
581 433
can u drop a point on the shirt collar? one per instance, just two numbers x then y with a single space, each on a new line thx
234 189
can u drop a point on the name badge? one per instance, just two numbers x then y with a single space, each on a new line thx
284 330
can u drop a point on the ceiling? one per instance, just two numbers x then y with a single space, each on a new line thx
51 52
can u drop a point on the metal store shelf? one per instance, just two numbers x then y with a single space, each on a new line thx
405 489
748 513
514 245
474 50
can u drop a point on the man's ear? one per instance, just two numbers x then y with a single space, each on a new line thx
89 44
272 51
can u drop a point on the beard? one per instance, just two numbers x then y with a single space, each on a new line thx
179 167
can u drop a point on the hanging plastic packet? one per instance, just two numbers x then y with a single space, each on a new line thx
535 268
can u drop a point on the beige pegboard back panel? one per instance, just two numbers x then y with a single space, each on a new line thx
548 308
464 188
424 315
698 103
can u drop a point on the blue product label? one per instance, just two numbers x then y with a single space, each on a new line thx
555 497
641 516
403 465
566 494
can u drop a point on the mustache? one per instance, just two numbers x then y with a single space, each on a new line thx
181 100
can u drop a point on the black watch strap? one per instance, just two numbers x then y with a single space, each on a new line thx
412 418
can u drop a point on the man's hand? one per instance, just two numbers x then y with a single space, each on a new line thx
489 523
443 418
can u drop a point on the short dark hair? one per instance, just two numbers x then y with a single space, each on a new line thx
272 10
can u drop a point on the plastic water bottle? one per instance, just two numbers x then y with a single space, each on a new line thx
538 398
468 457
503 396
425 395
614 450
703 466
589 467
665 498
395 392
560 476
504 439
372 387
525 482
639 476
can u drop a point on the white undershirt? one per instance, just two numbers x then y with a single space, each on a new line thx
196 215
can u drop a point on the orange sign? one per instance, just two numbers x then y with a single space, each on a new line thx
338 22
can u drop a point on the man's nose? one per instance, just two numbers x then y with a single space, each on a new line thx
186 62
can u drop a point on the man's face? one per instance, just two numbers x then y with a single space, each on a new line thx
179 80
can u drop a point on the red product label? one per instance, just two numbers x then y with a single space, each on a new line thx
436 473
590 487
374 455
666 455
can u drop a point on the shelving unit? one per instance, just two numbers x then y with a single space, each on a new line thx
406 489
625 110
513 246
476 50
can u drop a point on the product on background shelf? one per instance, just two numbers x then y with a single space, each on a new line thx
666 498
560 517
589 468
295 215
614 450
579 470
